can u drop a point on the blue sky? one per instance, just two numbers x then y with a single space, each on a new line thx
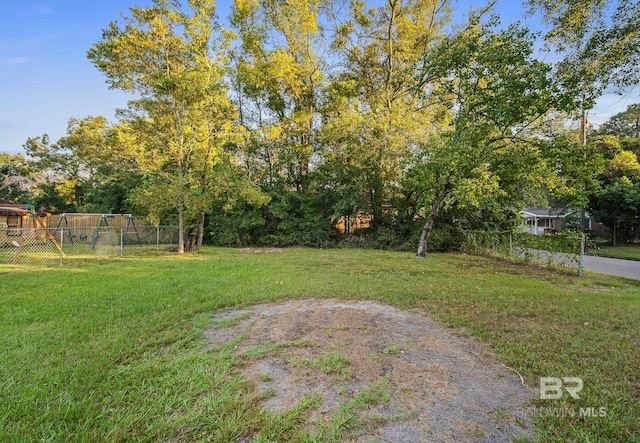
46 78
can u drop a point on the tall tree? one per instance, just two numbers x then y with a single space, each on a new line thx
88 169
280 71
599 39
577 168
623 124
374 116
16 178
174 58
600 45
61 187
498 96
618 208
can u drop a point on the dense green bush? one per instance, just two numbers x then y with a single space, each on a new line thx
289 219
241 225
307 218
301 221
446 238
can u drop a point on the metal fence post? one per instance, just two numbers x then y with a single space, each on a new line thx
121 242
61 244
157 238
580 265
510 245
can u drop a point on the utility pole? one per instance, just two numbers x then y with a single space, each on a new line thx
583 142
583 127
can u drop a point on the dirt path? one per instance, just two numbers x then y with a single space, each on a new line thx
432 385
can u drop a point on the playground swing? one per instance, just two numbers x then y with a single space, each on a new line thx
36 224
103 225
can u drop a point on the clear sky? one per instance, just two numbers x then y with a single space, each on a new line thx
46 78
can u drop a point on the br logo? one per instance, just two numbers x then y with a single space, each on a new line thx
551 387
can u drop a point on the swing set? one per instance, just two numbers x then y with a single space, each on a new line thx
75 225
25 229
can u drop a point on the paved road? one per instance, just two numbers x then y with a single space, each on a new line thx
613 266
603 265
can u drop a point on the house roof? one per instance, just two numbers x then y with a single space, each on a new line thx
7 207
531 212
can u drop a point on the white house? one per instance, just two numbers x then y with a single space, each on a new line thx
541 220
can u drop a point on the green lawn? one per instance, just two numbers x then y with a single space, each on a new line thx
632 252
113 349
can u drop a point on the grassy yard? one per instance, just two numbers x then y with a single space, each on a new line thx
628 252
113 349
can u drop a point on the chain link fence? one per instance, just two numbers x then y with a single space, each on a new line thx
55 246
562 250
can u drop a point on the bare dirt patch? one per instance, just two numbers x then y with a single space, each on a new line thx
431 384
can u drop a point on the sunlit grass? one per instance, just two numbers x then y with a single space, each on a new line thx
113 349
628 252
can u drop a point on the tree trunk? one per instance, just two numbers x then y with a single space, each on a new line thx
376 196
200 231
180 227
437 204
